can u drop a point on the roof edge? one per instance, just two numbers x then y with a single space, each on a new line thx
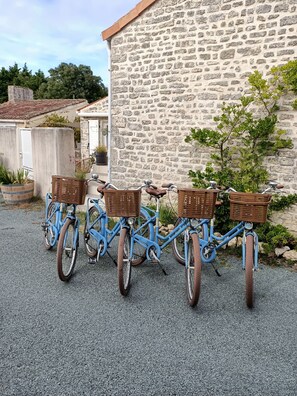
126 19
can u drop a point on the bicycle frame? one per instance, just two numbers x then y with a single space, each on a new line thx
106 236
159 242
212 243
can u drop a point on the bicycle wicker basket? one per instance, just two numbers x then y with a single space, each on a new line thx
196 204
251 207
122 203
68 190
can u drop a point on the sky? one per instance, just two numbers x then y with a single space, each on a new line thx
44 33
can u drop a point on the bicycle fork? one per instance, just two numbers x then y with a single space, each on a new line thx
247 232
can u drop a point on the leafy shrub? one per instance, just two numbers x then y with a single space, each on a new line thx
275 236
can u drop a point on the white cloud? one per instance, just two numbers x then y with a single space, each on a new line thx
44 33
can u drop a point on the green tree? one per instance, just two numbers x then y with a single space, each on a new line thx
256 130
22 77
243 136
69 81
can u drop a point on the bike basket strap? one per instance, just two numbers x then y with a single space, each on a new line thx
251 207
122 203
196 204
68 190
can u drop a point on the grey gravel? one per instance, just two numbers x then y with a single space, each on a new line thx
84 338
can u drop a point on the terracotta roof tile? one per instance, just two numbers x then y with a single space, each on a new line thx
126 19
27 109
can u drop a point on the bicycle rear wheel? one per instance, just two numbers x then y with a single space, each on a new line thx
67 250
91 244
124 262
193 270
249 271
49 231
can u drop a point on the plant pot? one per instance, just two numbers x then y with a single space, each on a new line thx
101 158
17 193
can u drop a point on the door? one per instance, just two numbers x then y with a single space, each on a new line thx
26 150
93 135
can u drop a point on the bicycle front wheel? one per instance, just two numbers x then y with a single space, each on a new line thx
49 232
91 244
67 250
178 244
193 269
124 261
249 271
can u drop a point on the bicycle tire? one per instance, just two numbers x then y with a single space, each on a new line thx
139 252
124 264
49 232
193 270
91 244
249 271
67 250
178 244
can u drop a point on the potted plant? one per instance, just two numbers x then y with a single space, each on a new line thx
101 155
16 187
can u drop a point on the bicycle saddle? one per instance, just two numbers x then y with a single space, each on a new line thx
101 188
156 192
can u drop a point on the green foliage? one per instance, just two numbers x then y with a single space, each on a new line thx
9 177
5 175
55 120
58 121
24 77
167 214
275 236
100 149
243 137
67 81
289 75
279 203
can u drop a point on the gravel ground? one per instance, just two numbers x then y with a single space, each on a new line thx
84 338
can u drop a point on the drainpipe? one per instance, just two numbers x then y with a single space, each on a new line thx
109 113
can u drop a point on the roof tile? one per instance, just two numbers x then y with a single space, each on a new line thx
27 109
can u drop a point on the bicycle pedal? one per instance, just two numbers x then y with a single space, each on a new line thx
92 261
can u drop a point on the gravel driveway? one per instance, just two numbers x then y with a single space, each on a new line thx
84 338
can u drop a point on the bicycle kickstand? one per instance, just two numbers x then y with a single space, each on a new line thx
215 269
155 260
114 261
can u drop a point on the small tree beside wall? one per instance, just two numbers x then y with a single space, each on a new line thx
245 134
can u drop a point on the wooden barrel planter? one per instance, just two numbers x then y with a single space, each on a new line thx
17 193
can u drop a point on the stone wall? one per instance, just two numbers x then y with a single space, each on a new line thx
172 68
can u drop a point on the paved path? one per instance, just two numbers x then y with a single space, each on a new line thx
83 338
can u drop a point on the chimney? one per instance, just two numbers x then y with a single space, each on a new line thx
19 93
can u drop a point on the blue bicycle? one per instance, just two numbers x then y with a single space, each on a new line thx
100 230
190 205
247 208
